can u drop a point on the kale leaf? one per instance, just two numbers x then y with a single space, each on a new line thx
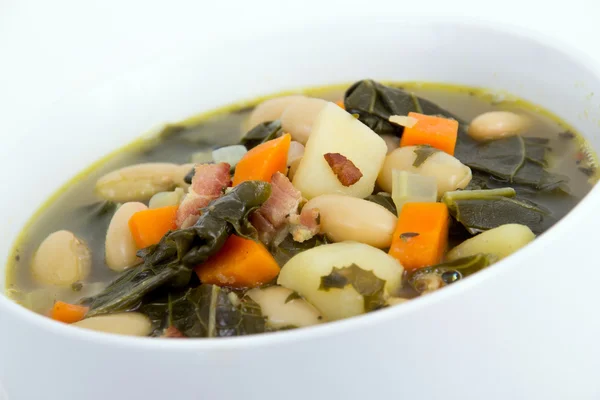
366 283
170 262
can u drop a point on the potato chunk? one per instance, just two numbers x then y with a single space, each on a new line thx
337 132
304 273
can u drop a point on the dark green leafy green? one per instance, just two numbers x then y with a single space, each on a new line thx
501 158
422 153
170 262
587 171
481 210
427 279
375 103
261 133
366 283
288 248
206 311
385 200
514 159
567 135
536 150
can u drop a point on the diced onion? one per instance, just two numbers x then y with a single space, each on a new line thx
403 120
229 154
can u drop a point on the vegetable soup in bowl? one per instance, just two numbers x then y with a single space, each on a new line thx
327 201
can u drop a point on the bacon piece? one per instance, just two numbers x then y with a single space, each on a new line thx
306 225
345 170
208 183
172 332
279 214
274 213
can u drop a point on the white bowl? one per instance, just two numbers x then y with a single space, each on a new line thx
526 328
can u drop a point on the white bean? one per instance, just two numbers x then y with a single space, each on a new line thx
61 259
120 249
295 152
298 118
391 141
501 241
494 125
450 174
270 110
129 323
139 182
280 312
345 218
165 199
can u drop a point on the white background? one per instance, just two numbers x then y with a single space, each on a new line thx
49 49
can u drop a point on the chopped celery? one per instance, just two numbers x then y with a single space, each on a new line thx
412 188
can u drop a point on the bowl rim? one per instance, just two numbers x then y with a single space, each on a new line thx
333 328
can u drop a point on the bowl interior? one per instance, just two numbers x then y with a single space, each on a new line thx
86 126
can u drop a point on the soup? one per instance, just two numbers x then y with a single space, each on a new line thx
300 210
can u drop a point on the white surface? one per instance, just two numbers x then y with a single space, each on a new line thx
506 333
50 48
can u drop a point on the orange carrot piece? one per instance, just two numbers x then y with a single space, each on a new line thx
340 103
421 235
241 263
438 132
149 226
260 163
68 313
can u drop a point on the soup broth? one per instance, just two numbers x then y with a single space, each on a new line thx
346 284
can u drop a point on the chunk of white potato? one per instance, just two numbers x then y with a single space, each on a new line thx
304 271
501 242
61 259
336 131
299 117
281 311
128 323
344 218
120 248
494 125
450 174
270 110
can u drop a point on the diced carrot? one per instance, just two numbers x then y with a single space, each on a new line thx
260 163
340 103
241 263
149 226
68 313
438 132
421 235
